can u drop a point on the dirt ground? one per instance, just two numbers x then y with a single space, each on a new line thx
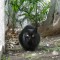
48 49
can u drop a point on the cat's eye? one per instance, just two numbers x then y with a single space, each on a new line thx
27 35
33 35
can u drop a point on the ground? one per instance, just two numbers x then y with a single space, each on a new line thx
48 49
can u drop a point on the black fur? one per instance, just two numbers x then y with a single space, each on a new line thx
29 38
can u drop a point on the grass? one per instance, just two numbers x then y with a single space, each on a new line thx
49 49
4 57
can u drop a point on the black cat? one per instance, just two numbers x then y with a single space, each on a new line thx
29 38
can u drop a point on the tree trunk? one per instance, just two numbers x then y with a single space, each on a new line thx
52 25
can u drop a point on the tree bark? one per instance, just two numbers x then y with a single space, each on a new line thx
52 25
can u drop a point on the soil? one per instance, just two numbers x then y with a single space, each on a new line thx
48 49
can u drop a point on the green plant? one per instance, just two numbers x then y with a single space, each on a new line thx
11 12
34 10
5 58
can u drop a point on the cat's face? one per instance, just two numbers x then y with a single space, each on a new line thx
31 33
27 36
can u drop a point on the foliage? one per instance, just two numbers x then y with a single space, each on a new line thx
4 57
34 10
